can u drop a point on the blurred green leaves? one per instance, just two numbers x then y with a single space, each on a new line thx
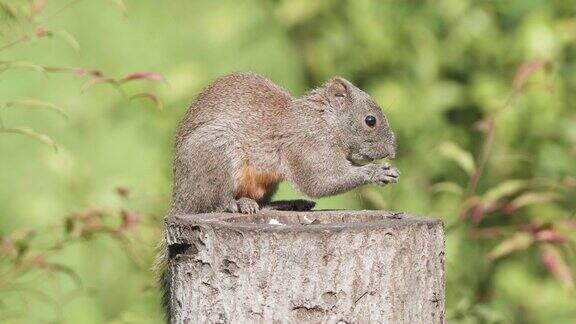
517 242
21 64
21 17
34 104
463 158
553 259
479 93
62 34
27 131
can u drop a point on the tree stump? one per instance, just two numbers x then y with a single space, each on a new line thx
306 267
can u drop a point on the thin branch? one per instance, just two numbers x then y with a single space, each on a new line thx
27 37
482 159
15 42
487 146
63 8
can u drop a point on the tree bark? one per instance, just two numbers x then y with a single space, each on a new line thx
312 267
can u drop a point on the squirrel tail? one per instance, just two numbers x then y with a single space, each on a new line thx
162 272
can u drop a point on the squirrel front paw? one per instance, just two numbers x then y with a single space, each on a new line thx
382 174
247 205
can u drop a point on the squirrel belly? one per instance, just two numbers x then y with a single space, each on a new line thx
256 184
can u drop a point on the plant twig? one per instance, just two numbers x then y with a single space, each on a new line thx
487 146
15 42
63 8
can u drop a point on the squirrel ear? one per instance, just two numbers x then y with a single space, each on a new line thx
338 92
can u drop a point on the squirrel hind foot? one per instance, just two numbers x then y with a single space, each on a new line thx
247 205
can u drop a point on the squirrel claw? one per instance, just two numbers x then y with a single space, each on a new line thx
247 205
387 181
384 174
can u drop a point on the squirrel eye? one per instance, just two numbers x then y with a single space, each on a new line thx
370 120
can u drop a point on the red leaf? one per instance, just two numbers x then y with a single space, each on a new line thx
480 210
478 213
129 220
7 247
525 70
519 241
150 76
74 71
485 125
150 96
571 223
37 6
82 72
468 206
40 32
554 261
37 261
96 80
550 235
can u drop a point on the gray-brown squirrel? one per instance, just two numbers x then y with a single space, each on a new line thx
244 134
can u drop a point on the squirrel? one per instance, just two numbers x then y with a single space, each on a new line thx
244 134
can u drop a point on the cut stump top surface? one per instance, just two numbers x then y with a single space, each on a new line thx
321 220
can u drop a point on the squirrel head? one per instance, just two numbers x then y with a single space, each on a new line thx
358 122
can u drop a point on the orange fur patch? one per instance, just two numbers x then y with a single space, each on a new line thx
254 184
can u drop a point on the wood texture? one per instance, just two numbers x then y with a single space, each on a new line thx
315 267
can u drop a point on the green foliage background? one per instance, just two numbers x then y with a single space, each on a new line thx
440 70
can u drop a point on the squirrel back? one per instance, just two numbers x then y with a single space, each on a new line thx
229 140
